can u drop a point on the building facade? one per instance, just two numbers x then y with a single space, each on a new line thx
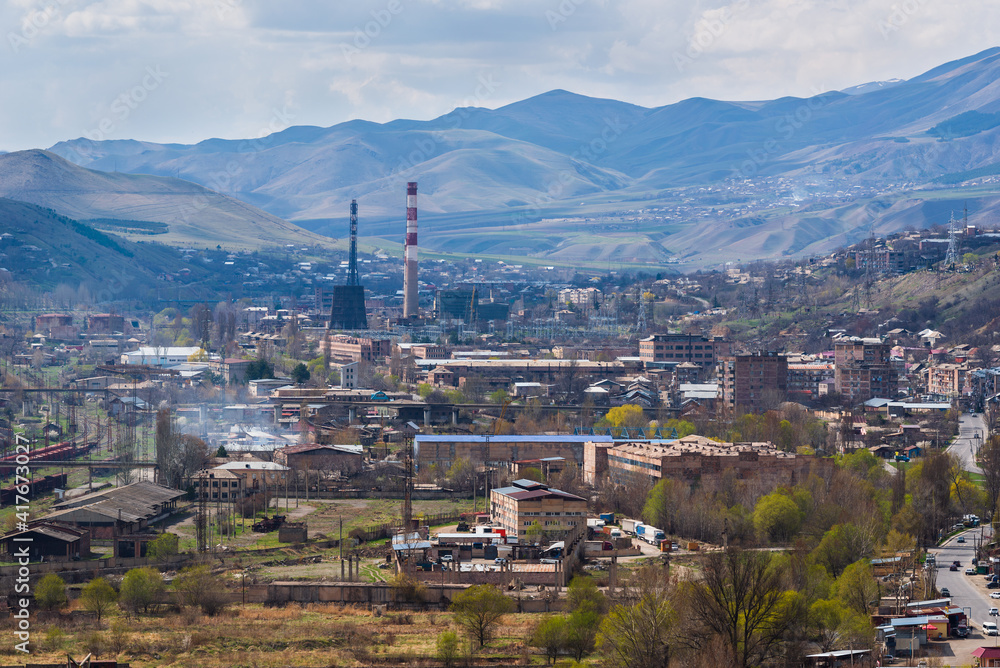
660 348
754 382
524 502
863 369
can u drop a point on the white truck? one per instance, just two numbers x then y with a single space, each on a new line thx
628 526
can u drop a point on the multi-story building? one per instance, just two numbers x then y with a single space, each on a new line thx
524 502
660 348
947 379
753 381
217 485
585 297
344 348
698 459
804 380
863 369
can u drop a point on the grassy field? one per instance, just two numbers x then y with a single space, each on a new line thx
314 635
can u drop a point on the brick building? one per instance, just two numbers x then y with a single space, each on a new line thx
315 457
863 369
660 348
947 379
699 459
753 381
442 450
344 348
524 502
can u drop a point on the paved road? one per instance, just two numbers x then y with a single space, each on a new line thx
967 591
964 446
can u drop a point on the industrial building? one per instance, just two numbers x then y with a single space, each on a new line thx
524 502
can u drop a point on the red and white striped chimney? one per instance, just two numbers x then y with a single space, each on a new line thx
410 253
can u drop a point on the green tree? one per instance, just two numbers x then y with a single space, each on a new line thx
776 517
163 546
629 416
479 610
140 589
583 594
857 587
260 368
97 597
664 503
534 533
447 648
549 636
300 373
50 592
222 452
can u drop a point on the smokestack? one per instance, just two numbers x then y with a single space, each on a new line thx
410 253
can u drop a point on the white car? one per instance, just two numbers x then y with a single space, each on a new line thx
995 594
994 612
970 571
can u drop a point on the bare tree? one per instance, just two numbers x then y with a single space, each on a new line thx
741 603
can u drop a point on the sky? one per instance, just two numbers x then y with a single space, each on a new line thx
188 70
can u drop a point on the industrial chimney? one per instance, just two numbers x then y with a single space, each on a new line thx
410 253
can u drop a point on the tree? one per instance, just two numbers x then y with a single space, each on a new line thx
198 587
447 648
741 603
989 461
97 597
479 610
857 587
629 416
549 636
163 546
638 631
776 517
300 373
260 368
50 592
140 589
664 503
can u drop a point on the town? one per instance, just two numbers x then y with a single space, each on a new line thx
380 461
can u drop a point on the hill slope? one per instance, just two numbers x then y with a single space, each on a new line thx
195 215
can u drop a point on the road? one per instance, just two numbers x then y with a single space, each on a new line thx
967 591
971 432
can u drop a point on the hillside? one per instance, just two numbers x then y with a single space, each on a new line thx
46 250
707 180
194 215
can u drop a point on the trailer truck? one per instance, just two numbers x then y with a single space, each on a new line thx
650 534
628 526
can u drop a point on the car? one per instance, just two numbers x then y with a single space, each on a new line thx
970 571
945 591
961 539
673 547
957 562
994 612
989 628
446 557
888 659
953 567
995 594
993 585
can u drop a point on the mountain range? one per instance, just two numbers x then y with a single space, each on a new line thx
567 178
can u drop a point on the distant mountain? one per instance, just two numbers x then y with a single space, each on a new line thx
706 180
194 215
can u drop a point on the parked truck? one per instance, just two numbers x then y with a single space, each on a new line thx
614 532
609 518
650 534
628 526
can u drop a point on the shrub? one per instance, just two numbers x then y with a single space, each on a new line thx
50 593
196 586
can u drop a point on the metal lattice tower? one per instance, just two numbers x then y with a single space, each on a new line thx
352 267
640 324
951 259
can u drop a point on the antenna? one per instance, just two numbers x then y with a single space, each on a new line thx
352 266
951 259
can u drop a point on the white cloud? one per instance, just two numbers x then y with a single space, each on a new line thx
232 62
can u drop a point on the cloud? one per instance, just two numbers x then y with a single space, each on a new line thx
232 62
